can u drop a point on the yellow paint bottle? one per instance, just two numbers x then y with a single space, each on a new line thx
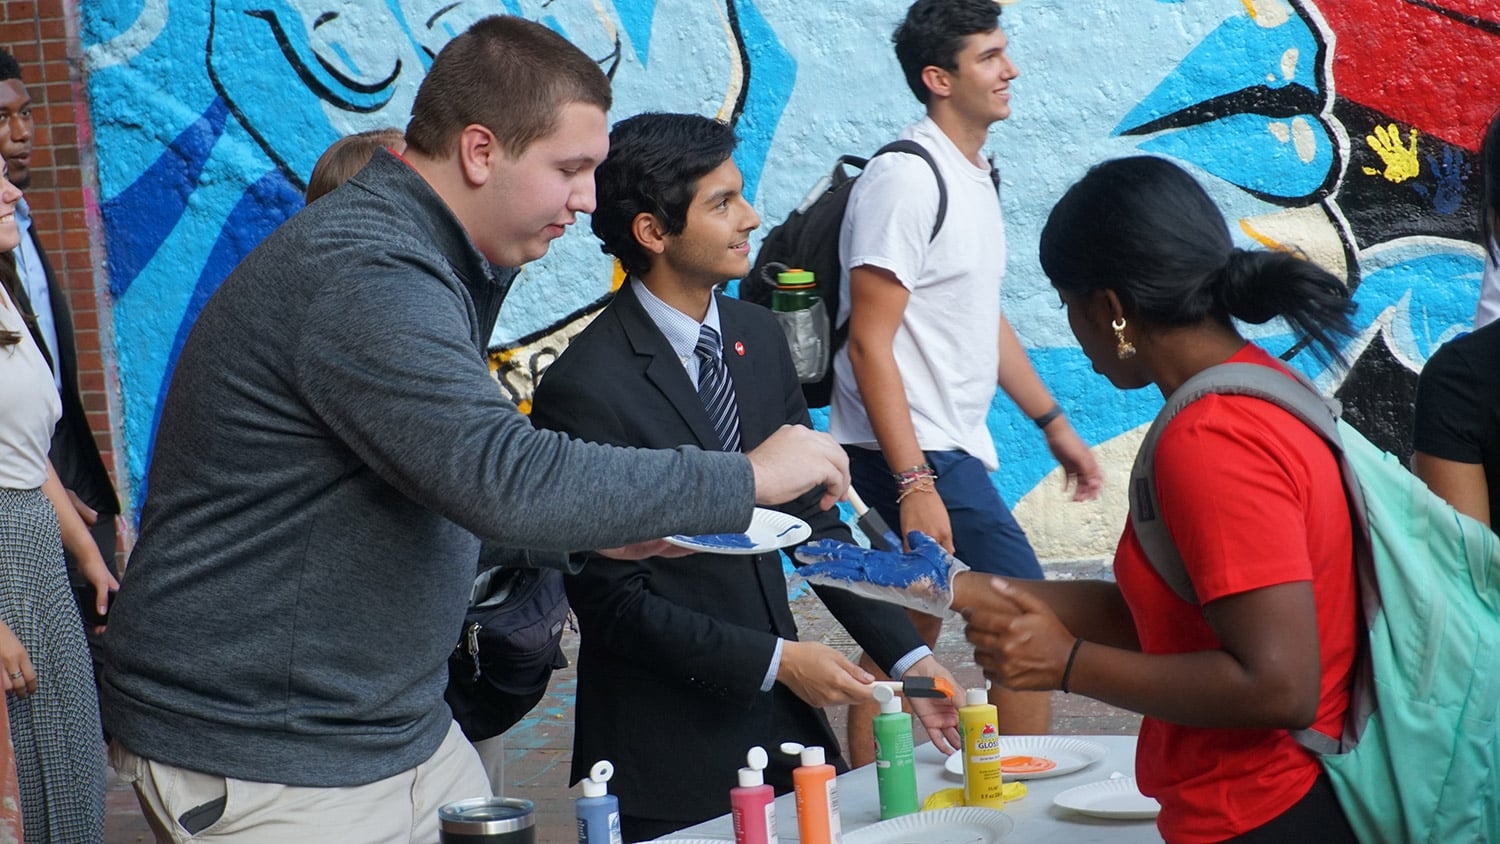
979 723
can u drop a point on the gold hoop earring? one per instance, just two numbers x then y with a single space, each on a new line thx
1124 349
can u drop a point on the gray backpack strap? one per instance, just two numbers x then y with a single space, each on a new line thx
1299 398
1247 379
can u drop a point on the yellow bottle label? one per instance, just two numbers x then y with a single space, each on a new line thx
983 782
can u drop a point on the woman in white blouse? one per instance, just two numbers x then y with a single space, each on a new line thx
44 663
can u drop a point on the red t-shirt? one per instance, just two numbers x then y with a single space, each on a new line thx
1253 499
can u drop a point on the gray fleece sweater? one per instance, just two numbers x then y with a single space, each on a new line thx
331 452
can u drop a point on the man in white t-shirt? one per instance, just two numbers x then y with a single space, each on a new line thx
927 340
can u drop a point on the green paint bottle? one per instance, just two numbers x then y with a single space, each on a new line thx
895 760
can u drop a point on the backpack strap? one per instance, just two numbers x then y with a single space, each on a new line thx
1302 400
1299 398
911 147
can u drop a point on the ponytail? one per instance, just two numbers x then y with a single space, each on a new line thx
1258 286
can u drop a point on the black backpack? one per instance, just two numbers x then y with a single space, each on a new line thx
509 647
809 239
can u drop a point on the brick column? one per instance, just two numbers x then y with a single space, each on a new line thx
43 36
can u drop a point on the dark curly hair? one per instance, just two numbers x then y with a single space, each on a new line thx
9 67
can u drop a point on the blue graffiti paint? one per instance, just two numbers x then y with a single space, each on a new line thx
1431 289
138 219
636 17
1097 409
1450 173
283 80
264 206
773 74
1258 153
1239 55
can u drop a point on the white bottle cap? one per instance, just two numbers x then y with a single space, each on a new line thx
976 696
756 761
886 697
597 783
809 755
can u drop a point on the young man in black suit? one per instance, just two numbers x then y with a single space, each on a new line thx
687 662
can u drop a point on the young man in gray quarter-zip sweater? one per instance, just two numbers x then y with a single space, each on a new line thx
331 453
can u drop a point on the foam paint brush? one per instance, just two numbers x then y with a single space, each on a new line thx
911 687
926 687
881 537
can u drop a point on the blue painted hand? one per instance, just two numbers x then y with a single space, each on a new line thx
919 579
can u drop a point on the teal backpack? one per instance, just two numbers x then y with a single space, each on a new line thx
1419 757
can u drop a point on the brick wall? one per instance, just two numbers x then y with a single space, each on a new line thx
43 36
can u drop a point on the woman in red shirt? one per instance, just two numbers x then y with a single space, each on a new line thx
1153 284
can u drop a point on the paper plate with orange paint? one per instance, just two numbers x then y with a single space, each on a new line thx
1038 757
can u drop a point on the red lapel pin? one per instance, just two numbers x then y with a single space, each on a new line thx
739 348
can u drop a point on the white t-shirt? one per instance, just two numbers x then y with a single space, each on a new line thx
29 406
947 345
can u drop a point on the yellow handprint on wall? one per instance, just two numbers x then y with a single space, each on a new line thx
1400 161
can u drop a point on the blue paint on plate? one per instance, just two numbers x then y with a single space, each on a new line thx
723 540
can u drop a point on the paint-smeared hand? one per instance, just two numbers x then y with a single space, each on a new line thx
920 579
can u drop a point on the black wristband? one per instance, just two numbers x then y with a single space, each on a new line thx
1046 418
1068 670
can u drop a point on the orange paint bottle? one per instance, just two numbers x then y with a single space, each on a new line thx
817 790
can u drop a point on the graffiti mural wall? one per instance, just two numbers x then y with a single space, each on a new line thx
1344 128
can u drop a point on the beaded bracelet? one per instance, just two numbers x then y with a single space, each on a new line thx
926 483
917 472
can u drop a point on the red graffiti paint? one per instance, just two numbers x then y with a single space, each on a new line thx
1428 64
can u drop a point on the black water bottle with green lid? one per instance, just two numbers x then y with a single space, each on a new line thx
804 320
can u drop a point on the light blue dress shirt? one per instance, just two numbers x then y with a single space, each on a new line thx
34 277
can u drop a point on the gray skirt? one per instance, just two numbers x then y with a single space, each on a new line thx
56 733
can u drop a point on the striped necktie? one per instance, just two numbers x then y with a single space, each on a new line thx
716 390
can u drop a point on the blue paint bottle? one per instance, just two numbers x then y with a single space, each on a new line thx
598 810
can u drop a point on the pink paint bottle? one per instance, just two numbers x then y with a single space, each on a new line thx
754 802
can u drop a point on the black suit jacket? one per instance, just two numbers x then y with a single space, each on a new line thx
674 651
74 453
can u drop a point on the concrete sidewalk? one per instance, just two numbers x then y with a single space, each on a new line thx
538 750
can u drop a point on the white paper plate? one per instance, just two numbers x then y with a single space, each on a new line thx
1114 798
965 825
1070 754
769 530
